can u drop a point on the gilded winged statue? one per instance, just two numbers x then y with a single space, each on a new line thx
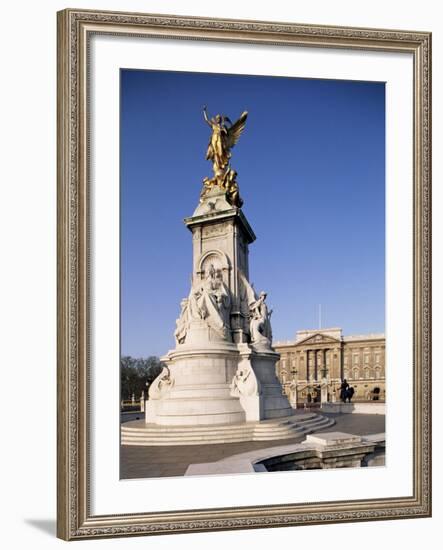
224 136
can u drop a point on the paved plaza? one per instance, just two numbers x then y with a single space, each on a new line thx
168 461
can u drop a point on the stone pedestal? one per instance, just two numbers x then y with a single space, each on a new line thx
196 387
221 236
221 371
216 384
262 398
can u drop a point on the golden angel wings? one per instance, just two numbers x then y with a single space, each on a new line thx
235 130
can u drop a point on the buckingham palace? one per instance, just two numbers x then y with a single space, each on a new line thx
322 358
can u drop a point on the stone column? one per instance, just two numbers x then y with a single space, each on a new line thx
302 371
324 379
337 371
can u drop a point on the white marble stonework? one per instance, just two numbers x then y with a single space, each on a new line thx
332 438
222 370
368 407
324 451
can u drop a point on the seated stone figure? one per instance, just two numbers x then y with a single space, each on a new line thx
208 301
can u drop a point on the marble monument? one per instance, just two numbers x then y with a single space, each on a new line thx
222 369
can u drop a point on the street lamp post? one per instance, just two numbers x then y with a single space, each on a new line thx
293 390
324 386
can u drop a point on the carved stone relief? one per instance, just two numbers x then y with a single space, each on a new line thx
162 385
214 230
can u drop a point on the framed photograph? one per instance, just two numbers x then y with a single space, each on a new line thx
243 274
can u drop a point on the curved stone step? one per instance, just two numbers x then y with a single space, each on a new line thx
296 432
137 433
138 426
299 426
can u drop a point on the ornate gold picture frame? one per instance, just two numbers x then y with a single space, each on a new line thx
75 30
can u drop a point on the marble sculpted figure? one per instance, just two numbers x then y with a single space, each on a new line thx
182 322
161 384
260 324
210 301
244 382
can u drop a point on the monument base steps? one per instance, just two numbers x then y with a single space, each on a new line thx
141 434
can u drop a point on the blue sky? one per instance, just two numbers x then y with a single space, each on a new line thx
311 170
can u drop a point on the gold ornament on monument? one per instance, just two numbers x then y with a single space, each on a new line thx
224 136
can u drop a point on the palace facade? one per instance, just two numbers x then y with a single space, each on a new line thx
325 357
